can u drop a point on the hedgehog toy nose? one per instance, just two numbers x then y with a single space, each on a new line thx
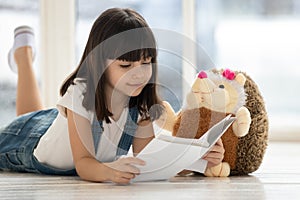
202 75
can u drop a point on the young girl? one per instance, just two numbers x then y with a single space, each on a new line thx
104 108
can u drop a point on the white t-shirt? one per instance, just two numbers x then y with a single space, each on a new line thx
54 147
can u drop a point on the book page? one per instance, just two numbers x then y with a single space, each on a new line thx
165 156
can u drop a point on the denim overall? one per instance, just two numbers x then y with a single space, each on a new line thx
19 139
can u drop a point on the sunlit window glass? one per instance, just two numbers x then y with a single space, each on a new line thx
261 38
13 13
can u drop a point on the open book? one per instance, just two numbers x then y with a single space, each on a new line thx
165 155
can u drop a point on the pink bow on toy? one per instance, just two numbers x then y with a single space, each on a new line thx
202 75
228 74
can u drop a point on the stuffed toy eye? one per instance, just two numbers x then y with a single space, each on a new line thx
221 86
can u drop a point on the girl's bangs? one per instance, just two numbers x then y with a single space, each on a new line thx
133 46
137 55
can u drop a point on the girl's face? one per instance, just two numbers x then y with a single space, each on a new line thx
127 77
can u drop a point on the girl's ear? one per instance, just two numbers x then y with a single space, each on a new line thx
240 78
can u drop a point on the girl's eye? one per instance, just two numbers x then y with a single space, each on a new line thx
147 63
125 66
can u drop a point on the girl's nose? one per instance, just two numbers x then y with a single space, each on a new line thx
137 71
137 74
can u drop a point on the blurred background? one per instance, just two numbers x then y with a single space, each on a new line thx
259 37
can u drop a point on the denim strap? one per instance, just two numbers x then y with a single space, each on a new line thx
97 130
127 135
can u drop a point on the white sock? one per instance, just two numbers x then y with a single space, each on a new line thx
22 39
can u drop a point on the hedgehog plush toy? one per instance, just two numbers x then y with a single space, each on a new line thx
215 94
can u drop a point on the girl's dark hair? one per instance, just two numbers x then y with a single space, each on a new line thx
100 47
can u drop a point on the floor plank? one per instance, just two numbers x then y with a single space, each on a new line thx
277 178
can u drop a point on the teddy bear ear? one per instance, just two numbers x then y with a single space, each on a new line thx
240 78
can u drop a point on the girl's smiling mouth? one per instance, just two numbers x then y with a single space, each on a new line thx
136 84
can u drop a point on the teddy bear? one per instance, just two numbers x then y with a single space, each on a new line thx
214 95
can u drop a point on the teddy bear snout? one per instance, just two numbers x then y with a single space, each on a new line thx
206 86
203 86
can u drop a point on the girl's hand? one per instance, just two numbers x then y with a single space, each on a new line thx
123 169
215 155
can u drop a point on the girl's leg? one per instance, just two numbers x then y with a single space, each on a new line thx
20 60
28 96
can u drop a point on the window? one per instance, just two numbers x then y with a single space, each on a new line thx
13 13
261 38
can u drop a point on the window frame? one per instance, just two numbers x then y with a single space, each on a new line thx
57 46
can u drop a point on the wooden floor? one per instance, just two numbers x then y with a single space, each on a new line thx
277 178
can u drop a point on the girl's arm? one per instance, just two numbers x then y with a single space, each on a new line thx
144 134
87 167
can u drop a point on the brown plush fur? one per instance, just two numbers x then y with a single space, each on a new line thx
252 147
244 154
